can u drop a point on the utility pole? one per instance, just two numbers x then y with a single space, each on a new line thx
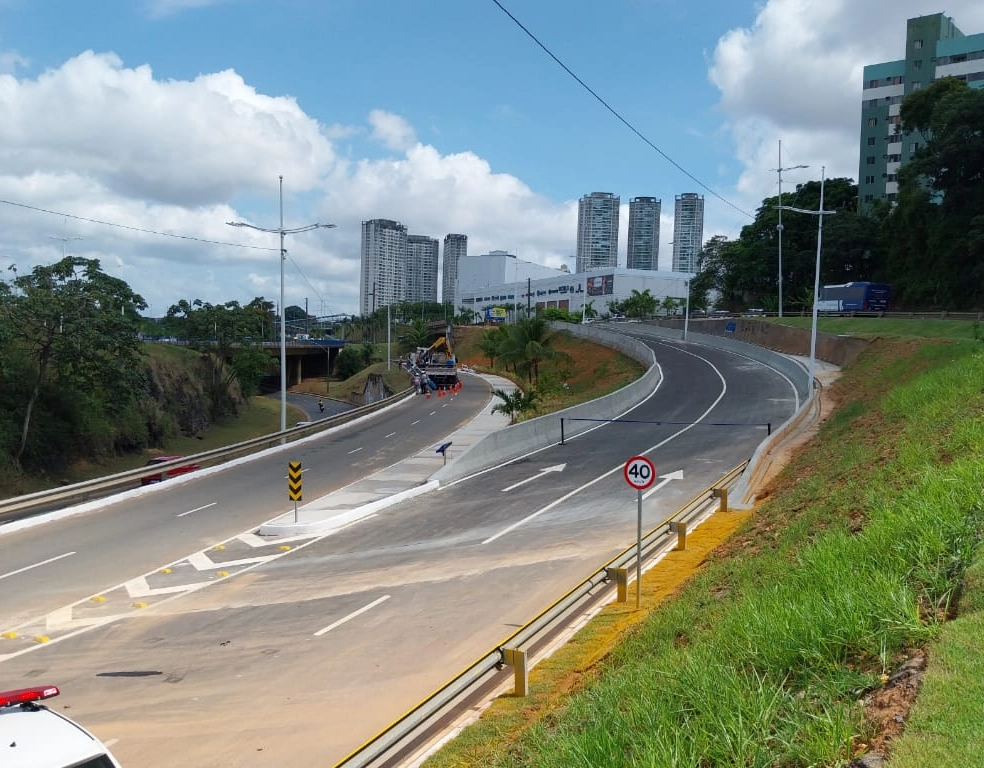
780 169
283 313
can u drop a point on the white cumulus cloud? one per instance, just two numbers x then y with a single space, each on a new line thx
796 74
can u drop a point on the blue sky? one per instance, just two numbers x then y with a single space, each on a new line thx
179 115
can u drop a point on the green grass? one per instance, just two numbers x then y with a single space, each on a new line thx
890 327
857 558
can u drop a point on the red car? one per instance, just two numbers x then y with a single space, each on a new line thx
181 469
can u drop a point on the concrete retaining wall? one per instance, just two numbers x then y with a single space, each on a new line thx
839 350
752 338
519 439
730 343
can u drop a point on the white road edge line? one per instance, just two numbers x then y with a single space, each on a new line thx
352 615
613 470
36 565
355 450
196 509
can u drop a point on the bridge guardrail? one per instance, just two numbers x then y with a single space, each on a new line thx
408 733
33 503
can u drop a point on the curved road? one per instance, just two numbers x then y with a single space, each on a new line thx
332 639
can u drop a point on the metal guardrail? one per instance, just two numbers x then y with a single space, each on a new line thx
33 503
409 731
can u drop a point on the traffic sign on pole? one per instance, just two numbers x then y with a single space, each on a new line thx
639 472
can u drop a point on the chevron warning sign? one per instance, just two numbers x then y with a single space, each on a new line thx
294 480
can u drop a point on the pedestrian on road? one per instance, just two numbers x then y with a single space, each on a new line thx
321 404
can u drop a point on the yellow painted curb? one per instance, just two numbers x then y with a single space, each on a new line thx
222 574
219 547
98 598
41 638
10 635
284 547
164 571
139 605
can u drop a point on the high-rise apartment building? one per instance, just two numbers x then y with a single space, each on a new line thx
455 249
597 231
934 48
384 264
688 231
642 251
421 276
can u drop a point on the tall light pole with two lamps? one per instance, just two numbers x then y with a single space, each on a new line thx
819 213
780 169
283 310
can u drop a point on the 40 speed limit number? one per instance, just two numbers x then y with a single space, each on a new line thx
639 472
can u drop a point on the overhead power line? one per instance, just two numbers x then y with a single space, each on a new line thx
136 229
616 113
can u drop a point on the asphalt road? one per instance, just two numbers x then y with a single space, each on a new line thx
332 639
48 566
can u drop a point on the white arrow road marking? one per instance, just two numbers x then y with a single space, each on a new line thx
352 615
36 565
554 468
678 475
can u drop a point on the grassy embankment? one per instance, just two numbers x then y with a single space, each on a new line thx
583 372
784 648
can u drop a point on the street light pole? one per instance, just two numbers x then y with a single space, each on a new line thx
686 311
283 309
820 213
780 169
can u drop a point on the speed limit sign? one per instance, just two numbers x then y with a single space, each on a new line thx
639 472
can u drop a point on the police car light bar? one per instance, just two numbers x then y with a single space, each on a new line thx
23 695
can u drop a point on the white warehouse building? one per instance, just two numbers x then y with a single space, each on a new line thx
573 292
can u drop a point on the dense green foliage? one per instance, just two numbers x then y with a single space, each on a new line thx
935 234
352 359
929 245
69 352
78 382
224 334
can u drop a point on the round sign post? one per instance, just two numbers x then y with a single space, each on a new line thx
640 473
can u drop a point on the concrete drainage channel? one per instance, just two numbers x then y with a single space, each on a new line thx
423 729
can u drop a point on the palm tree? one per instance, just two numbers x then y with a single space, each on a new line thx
529 343
490 344
418 334
514 403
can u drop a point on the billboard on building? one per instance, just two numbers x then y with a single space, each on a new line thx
601 285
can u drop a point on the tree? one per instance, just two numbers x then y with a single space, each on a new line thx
515 403
640 304
349 362
669 305
933 234
226 335
490 344
418 334
528 344
73 322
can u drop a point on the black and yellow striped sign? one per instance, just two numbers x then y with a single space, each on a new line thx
294 480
